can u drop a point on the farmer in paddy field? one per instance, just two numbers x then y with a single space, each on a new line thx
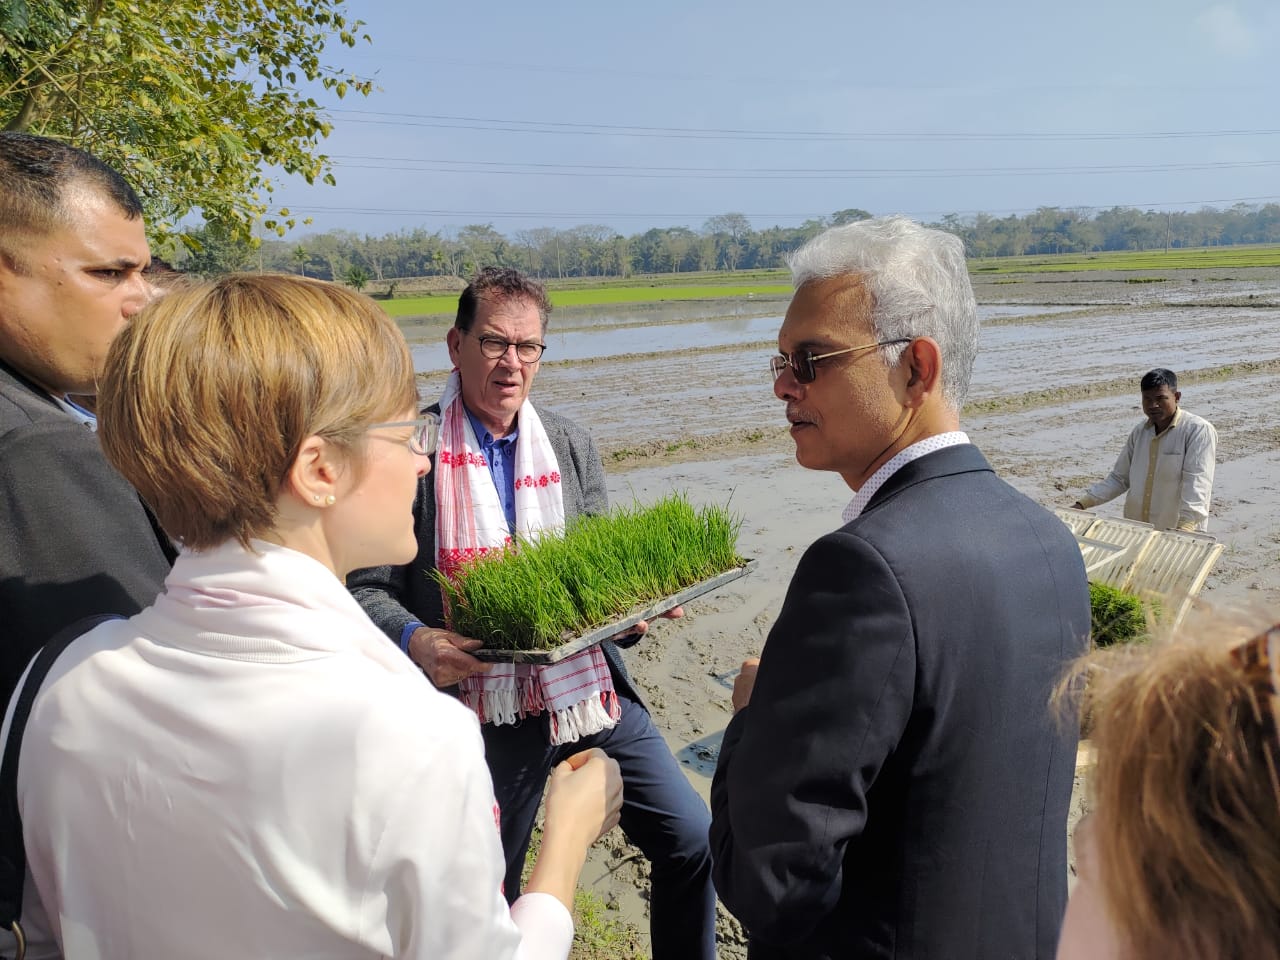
1166 467
892 783
486 486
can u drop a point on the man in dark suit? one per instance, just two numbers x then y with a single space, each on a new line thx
892 783
496 346
75 540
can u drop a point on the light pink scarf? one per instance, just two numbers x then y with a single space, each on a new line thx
578 690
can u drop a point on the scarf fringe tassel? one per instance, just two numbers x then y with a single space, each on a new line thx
585 718
570 725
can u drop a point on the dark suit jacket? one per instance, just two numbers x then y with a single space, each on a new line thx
75 540
897 786
395 596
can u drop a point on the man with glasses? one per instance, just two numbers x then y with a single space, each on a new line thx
892 783
505 467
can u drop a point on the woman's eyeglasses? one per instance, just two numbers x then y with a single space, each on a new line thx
528 351
425 431
802 365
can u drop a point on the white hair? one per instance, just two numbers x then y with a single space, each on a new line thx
919 286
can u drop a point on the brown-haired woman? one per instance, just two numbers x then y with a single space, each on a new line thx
1181 858
248 767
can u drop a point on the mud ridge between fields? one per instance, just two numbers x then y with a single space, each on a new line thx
1117 386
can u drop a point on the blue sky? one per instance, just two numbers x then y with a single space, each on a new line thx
555 114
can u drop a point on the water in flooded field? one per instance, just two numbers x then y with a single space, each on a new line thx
669 371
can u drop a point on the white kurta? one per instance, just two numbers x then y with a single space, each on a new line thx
249 768
1167 480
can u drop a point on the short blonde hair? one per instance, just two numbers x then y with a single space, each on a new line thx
1187 804
210 391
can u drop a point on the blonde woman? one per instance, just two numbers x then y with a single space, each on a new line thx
248 768
1181 858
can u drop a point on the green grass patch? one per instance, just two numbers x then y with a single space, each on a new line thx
601 295
598 932
1119 617
651 293
1179 259
419 306
543 592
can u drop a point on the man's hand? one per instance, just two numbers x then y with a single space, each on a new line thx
744 683
443 655
642 627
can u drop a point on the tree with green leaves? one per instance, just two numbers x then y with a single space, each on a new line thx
200 103
357 278
214 250
851 215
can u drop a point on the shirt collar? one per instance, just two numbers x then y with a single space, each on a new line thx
485 438
1177 417
939 441
89 419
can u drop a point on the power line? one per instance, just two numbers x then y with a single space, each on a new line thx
587 218
499 168
508 125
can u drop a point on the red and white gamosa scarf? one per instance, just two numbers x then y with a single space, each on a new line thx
578 690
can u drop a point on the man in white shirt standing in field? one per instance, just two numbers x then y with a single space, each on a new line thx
1166 466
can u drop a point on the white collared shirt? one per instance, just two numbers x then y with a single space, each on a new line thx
1167 478
920 448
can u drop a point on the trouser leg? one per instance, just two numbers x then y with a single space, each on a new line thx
666 818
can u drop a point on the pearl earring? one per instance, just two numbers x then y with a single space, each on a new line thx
330 500
315 497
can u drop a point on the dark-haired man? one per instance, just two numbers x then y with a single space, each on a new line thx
76 539
505 466
1166 467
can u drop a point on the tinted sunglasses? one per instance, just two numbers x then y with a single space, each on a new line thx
803 365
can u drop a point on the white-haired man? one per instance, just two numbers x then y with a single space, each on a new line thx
892 784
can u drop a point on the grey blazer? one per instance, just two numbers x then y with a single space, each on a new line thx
393 597
75 539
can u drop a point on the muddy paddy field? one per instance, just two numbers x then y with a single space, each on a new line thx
679 397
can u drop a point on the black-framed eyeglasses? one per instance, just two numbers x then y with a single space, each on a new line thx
528 351
803 366
425 431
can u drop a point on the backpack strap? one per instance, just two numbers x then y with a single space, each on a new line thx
13 854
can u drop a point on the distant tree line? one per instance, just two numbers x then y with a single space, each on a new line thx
725 242
1056 230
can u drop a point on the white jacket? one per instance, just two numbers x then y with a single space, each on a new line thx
249 768
1168 480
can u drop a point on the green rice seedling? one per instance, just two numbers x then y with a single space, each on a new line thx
1118 616
544 591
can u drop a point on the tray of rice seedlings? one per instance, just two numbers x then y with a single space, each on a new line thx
544 599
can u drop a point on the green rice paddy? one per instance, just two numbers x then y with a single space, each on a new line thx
589 292
544 591
600 295
1178 259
